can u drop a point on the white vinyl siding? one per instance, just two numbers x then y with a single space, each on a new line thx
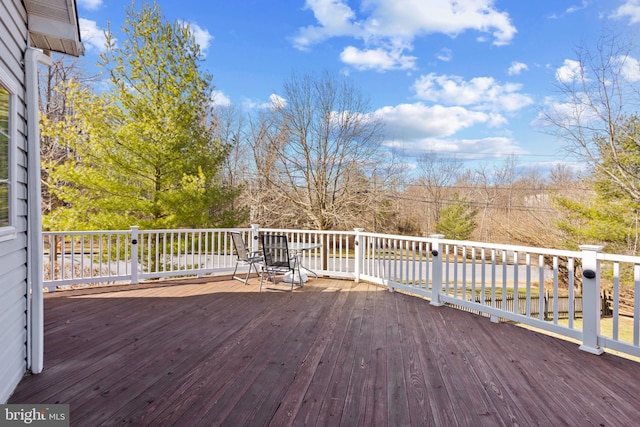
13 220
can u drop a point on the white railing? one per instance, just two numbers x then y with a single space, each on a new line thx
585 295
74 257
128 256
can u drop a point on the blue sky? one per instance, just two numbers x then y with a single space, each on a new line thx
464 78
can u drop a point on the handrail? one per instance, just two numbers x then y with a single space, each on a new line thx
584 295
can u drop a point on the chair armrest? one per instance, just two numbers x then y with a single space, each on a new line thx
254 258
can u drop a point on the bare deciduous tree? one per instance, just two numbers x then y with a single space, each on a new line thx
494 189
317 153
230 131
436 174
599 92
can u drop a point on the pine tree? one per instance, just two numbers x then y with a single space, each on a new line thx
144 151
611 216
457 221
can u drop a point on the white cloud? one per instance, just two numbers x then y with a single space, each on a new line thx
419 121
220 99
377 59
567 113
575 8
276 101
569 72
389 27
250 104
480 92
460 108
629 9
90 4
445 55
406 19
92 37
516 68
202 36
465 149
630 68
334 18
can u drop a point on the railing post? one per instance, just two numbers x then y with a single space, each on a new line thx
590 299
359 253
436 270
134 255
255 237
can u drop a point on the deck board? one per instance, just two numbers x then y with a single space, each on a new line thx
212 351
343 363
318 391
355 398
375 411
429 404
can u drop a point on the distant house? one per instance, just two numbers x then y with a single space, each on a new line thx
29 30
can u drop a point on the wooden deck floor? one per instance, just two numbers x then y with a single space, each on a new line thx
215 352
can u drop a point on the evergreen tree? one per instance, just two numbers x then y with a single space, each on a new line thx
457 221
611 216
144 151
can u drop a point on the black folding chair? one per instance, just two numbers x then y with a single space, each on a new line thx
244 256
277 261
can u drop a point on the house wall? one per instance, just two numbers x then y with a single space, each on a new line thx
13 250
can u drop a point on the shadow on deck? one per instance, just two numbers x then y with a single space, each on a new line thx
212 351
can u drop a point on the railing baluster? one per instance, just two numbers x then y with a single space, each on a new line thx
483 278
516 290
493 278
541 288
455 272
464 272
527 260
474 294
636 304
616 299
446 271
504 280
571 283
556 274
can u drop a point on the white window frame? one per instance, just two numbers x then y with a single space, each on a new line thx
11 86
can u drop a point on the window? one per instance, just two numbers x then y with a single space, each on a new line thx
8 116
4 158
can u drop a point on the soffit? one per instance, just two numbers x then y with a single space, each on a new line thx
53 25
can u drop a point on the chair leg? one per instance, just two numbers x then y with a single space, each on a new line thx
233 275
251 265
270 276
234 270
298 265
245 279
261 277
255 267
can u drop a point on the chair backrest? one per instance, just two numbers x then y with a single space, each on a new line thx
275 250
242 252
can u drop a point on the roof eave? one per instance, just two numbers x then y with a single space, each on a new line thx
54 26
